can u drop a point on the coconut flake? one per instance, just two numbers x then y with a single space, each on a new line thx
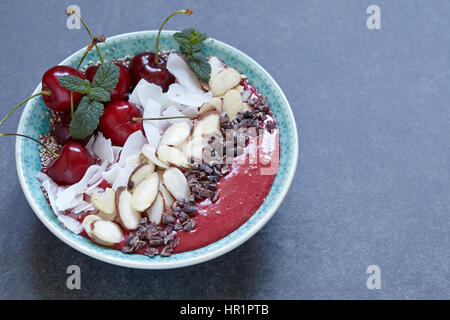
42 177
180 94
190 111
183 73
132 146
52 189
133 98
83 207
216 66
66 199
145 90
71 224
173 111
116 152
153 134
122 178
152 109
90 190
90 145
103 148
112 173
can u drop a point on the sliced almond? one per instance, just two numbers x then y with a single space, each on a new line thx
133 161
150 153
139 174
214 105
106 216
145 192
106 233
182 144
143 158
172 156
216 134
168 199
209 122
154 214
224 81
176 183
128 216
232 103
104 201
176 133
87 223
194 148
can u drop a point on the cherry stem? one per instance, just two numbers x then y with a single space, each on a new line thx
33 139
90 34
22 102
88 48
185 11
164 118
72 108
93 43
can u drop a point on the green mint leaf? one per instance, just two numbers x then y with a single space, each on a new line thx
191 44
86 118
74 83
188 49
98 94
190 35
190 40
106 77
200 66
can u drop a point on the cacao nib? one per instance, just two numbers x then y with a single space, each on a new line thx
151 252
167 219
190 225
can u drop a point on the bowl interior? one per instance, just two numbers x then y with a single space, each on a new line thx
34 121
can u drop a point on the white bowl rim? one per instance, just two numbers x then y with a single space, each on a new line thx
176 263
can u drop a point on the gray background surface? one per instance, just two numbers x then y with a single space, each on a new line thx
372 185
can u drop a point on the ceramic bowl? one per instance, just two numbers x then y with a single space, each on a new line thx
35 121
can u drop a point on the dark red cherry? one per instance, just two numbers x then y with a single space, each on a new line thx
143 66
122 89
59 98
71 165
62 131
117 123
62 134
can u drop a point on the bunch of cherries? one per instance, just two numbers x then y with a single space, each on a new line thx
117 121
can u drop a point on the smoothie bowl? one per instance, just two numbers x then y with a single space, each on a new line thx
178 170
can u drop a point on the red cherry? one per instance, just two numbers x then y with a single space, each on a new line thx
59 99
117 123
62 134
143 66
122 89
62 131
71 165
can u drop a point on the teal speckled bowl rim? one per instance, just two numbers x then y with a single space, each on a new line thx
32 122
